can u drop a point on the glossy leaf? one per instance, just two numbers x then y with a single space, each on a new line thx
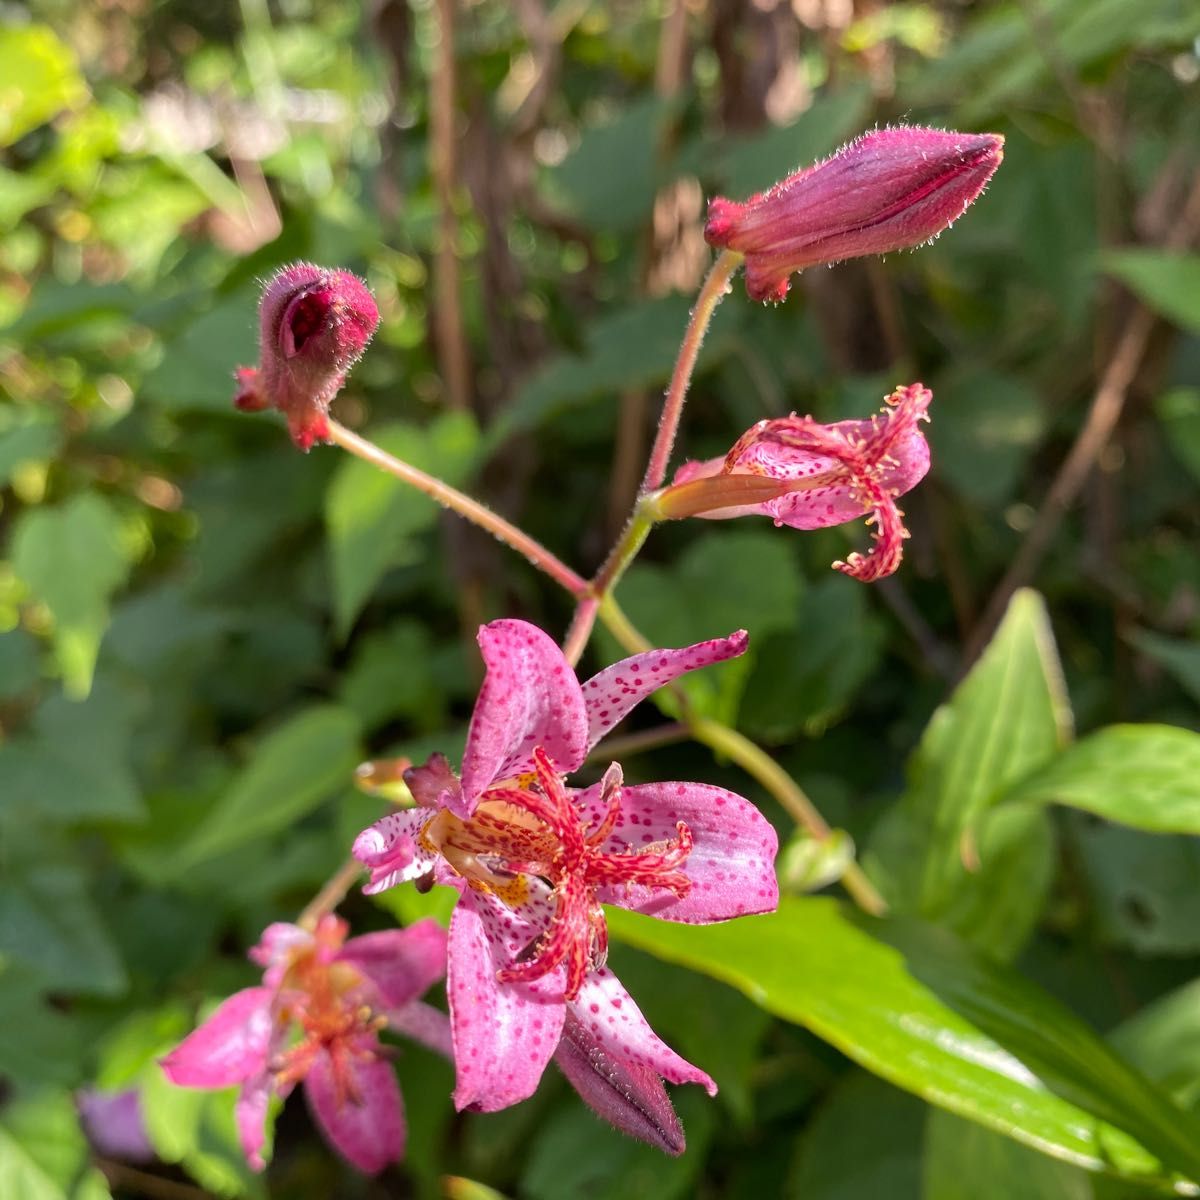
917 1007
1138 775
292 770
937 852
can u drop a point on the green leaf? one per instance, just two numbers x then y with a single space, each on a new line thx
1006 719
863 1143
917 1007
1168 282
963 1161
1143 776
373 518
72 559
41 78
49 924
45 1133
291 771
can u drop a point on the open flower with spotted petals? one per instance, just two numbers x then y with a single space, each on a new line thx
809 476
316 1019
535 859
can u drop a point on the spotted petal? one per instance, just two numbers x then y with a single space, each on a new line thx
391 851
612 694
530 697
610 1017
731 864
504 1034
364 1120
628 1096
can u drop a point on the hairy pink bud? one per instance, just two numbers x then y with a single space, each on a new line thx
314 325
886 190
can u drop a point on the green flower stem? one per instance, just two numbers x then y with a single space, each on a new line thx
712 292
467 508
752 759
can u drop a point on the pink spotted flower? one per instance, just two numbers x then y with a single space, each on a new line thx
316 1019
887 190
314 324
809 476
534 859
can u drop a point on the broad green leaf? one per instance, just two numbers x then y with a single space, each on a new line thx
1138 775
41 78
373 518
72 559
863 1143
291 771
1168 282
937 852
41 1133
964 1161
58 782
18 664
917 1007
50 925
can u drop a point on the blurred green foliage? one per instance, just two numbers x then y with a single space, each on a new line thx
202 631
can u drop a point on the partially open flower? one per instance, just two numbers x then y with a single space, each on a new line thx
314 325
887 190
809 476
316 1019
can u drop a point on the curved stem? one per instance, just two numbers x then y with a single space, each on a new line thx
755 761
331 894
467 508
713 290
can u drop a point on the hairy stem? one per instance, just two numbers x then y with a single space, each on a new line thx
712 292
462 504
331 894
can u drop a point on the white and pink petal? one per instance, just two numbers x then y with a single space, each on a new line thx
230 1047
613 693
391 849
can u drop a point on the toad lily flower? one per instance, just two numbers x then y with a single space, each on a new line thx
887 190
534 860
809 476
316 1019
314 326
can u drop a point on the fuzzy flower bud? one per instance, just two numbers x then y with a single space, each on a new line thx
314 325
887 190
